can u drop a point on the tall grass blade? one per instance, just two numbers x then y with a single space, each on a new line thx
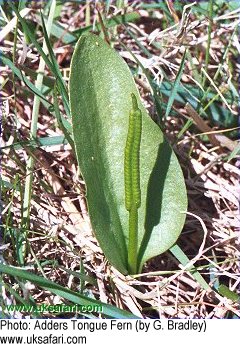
76 298
33 131
183 259
175 86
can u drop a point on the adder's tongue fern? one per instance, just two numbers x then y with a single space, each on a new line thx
155 227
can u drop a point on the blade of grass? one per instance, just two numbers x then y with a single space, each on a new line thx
154 87
88 13
225 291
8 219
62 122
185 94
66 293
117 20
30 35
107 6
143 49
9 25
101 19
82 276
217 89
37 262
220 66
17 296
39 142
189 94
193 269
14 60
194 70
70 38
47 80
201 124
59 78
207 56
175 86
213 275
234 153
20 75
183 259
55 70
59 32
33 133
185 128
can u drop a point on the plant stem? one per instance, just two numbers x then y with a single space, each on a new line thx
133 240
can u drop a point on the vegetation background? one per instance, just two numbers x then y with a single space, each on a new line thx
184 57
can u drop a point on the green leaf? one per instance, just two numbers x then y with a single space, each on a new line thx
101 85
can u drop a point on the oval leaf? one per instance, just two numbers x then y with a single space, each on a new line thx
101 85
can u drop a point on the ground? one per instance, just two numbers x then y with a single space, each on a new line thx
187 74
